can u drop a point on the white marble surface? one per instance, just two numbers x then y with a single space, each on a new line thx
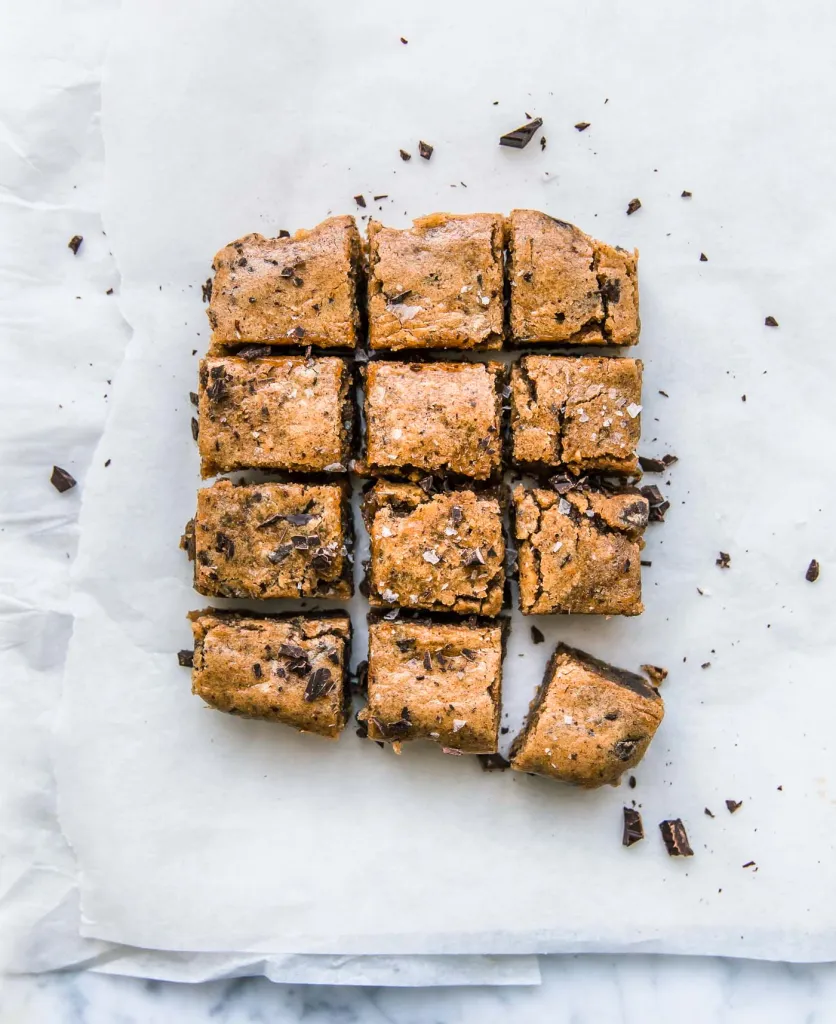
575 990
49 35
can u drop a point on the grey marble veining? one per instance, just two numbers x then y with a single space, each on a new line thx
575 990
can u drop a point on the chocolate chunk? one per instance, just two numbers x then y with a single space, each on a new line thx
109 291
292 651
280 554
686 194
536 636
360 200
428 665
473 557
75 243
404 41
520 137
195 428
624 749
633 205
703 258
749 864
770 321
405 155
297 331
676 838
319 684
631 782
384 196
185 658
395 300
360 682
493 762
322 560
468 654
225 545
425 150
456 514
405 645
562 483
724 561
658 505
283 234
633 827
62 481
582 126
187 541
257 670
193 397
734 805
656 674
651 465
254 352
811 575
427 484
299 518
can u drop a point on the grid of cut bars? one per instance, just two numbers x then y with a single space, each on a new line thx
439 434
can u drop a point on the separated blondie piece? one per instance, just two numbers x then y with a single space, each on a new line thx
271 540
275 413
588 723
442 418
568 288
440 552
579 552
437 284
577 413
289 669
437 681
290 291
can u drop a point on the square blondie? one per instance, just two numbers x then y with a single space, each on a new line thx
291 291
579 552
436 418
439 552
275 413
588 723
437 284
577 413
289 668
271 540
568 288
438 681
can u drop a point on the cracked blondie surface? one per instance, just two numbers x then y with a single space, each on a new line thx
588 723
579 552
271 540
437 284
288 669
578 413
568 288
442 418
297 290
439 552
438 681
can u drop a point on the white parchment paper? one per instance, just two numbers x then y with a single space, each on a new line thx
195 831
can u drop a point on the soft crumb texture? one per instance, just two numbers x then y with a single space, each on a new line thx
272 540
588 723
441 418
581 414
295 291
580 552
279 412
289 670
435 681
437 284
441 552
568 288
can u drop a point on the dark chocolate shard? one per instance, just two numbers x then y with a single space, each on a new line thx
195 428
658 505
405 155
254 352
320 683
61 480
633 205
708 813
224 545
425 150
581 126
520 137
536 635
473 556
633 827
280 554
75 243
360 200
493 762
733 805
185 658
724 561
675 838
770 321
193 397
650 465
812 573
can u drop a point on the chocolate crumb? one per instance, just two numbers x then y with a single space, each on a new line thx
206 289
493 762
581 126
631 782
686 194
107 463
633 827
748 864
633 205
61 480
703 258
425 150
770 321
193 397
646 562
405 155
75 243
536 636
404 41
542 142
812 573
195 428
109 291
724 561
708 813
185 658
360 200
384 196
734 805
520 137
664 394
675 838
706 664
